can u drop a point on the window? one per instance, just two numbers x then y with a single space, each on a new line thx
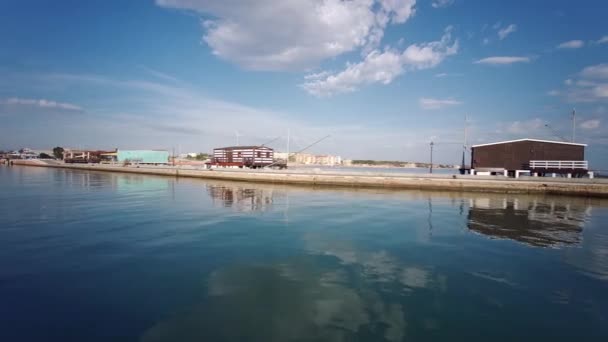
240 154
267 154
259 154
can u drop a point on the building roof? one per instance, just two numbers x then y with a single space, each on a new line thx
242 147
527 139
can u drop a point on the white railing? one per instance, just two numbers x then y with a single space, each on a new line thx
559 164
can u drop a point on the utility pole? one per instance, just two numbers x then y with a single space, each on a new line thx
464 145
431 167
573 124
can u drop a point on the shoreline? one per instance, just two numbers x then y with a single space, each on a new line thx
462 183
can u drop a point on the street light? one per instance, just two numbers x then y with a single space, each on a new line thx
431 167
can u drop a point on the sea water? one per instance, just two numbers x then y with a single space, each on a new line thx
93 256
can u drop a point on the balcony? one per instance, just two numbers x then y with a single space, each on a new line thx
559 164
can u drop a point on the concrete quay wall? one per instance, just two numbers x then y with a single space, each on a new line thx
572 187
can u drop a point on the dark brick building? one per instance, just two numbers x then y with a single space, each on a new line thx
537 156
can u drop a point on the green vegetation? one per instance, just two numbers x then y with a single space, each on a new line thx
199 156
45 156
58 152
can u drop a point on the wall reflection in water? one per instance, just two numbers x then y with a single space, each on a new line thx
527 220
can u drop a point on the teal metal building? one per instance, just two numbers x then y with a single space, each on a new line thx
142 156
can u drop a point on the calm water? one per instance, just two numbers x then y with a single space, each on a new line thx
108 257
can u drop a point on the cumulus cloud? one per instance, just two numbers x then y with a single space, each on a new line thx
504 32
442 3
602 40
293 35
589 85
524 127
383 67
430 103
590 124
598 72
161 114
571 44
40 103
503 60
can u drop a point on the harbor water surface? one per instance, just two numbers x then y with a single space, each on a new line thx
94 256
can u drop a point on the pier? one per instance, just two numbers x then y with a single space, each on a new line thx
584 187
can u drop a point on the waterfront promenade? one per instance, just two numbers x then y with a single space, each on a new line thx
316 177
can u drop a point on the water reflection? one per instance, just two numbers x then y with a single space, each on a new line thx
305 299
529 221
242 199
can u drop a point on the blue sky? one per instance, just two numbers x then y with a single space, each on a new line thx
382 77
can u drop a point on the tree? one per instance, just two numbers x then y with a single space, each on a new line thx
44 156
202 156
58 152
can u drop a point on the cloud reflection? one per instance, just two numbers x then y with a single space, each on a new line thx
300 299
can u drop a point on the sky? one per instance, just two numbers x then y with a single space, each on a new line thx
382 78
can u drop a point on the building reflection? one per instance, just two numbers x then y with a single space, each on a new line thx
103 180
242 199
541 224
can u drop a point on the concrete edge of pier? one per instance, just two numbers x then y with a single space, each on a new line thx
528 185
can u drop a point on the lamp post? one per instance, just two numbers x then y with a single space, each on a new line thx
431 166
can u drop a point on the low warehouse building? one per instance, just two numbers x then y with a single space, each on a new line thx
138 156
143 156
540 157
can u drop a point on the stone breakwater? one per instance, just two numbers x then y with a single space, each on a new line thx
528 185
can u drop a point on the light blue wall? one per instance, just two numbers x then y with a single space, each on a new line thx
144 156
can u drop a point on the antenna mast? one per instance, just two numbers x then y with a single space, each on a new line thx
573 124
464 145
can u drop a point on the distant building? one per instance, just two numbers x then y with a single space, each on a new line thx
83 156
541 157
243 156
117 156
311 159
282 155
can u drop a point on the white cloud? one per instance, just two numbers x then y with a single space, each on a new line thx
599 71
383 66
590 124
527 127
504 32
293 35
602 40
442 3
40 103
430 103
441 74
502 60
571 44
589 85
486 41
